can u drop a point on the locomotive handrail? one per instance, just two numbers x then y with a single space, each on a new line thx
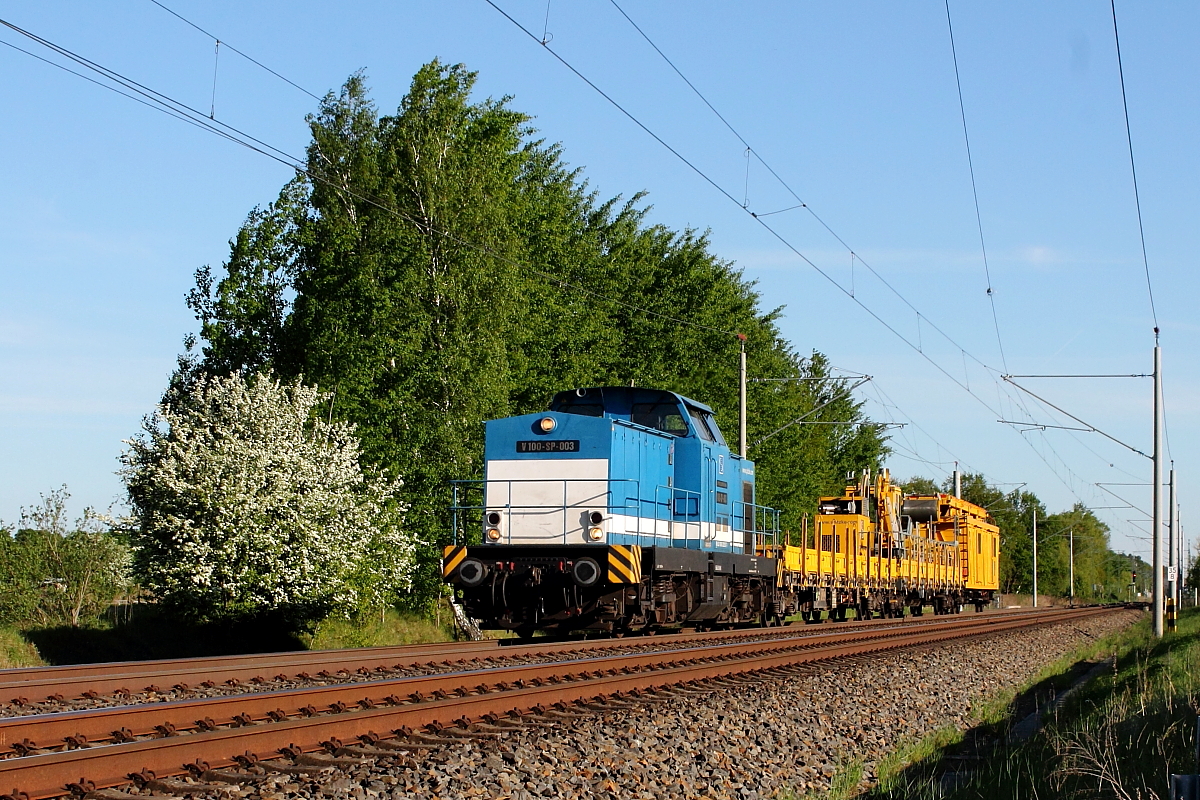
758 524
632 505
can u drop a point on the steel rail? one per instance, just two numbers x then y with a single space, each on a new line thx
26 676
38 683
47 775
226 667
53 730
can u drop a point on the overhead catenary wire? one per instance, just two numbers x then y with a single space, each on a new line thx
890 403
918 347
157 97
1138 206
228 46
974 189
1133 169
1019 400
182 111
160 100
295 163
724 192
750 149
136 99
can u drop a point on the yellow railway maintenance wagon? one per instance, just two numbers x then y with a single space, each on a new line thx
879 552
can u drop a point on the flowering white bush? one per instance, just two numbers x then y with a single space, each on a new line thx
245 502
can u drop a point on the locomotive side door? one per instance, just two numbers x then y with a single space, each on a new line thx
747 519
708 502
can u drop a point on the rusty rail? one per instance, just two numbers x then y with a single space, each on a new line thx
38 683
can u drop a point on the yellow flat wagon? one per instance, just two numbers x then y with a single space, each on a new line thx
878 551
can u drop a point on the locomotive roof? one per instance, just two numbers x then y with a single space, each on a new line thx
626 393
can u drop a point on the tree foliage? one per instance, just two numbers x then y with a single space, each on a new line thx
441 266
247 503
55 572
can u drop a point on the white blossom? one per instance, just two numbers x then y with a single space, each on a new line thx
246 501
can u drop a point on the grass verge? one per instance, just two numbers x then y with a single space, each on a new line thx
16 650
389 629
1118 736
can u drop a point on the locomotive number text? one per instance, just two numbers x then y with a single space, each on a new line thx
549 446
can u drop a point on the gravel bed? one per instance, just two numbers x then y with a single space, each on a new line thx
741 740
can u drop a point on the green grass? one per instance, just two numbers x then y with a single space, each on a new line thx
17 651
890 772
390 629
1118 736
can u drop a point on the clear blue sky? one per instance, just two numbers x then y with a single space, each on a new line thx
108 207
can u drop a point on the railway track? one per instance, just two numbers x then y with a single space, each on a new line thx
48 689
223 741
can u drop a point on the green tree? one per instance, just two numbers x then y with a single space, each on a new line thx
920 485
441 266
55 572
1081 531
247 504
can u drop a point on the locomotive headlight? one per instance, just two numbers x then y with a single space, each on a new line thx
493 534
547 424
595 534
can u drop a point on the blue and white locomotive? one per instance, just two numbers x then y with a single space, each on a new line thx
618 509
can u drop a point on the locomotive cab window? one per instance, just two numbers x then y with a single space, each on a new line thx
664 416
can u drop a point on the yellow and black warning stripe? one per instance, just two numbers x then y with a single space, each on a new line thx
452 556
624 563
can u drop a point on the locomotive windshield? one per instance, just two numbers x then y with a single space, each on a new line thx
662 416
658 410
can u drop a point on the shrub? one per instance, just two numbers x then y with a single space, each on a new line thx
52 572
246 503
